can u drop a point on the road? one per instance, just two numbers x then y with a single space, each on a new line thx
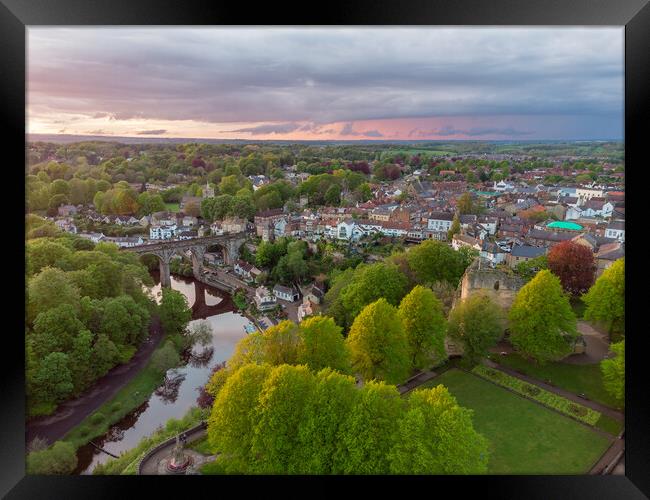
70 413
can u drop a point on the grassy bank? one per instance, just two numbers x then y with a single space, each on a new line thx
132 395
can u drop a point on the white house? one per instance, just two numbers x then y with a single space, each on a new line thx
285 293
585 194
305 309
263 299
492 253
440 221
246 270
616 230
162 232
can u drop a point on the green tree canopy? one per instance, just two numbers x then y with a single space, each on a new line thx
424 324
606 298
542 323
378 345
476 323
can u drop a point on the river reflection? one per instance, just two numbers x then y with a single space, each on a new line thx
179 392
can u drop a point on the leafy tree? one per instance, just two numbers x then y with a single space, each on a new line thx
48 289
61 458
477 324
542 323
43 252
105 355
281 343
53 380
282 401
332 398
322 345
613 370
55 329
165 358
150 203
365 434
378 345
174 311
433 261
606 299
371 282
528 268
436 436
424 324
465 204
81 360
574 265
201 332
234 415
124 321
455 228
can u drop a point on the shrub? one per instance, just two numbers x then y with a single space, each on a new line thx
115 407
97 419
59 459
563 405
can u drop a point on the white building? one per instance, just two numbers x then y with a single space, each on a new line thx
285 293
440 221
263 299
162 232
585 194
616 230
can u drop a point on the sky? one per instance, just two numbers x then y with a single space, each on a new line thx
390 83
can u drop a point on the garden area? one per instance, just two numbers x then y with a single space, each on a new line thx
525 438
576 378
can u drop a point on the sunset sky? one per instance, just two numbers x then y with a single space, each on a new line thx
327 83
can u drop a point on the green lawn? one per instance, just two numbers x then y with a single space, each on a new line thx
525 438
585 379
173 207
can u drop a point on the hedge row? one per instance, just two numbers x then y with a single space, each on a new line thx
563 405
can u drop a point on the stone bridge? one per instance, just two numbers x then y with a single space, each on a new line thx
166 249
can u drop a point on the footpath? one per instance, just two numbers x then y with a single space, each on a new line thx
71 413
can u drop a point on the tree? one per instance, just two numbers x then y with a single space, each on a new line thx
574 265
281 343
455 228
424 324
378 344
61 458
165 358
124 321
332 399
436 436
53 380
528 268
433 261
365 436
613 370
477 324
48 289
606 299
371 282
282 401
105 355
322 345
333 195
234 415
201 332
42 253
55 329
81 360
174 311
542 323
465 204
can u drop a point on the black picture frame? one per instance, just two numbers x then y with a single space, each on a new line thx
16 15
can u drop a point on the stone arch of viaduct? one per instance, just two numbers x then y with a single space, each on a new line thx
165 250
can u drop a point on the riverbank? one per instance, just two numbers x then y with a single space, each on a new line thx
74 413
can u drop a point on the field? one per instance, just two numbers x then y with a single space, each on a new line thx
173 207
525 438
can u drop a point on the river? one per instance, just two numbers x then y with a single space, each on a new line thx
174 400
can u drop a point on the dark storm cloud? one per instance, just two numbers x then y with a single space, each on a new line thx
324 75
151 132
283 128
348 130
